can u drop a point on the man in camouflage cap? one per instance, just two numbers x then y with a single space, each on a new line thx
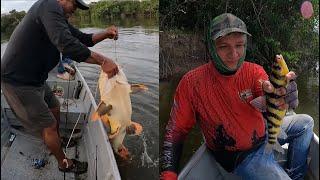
218 96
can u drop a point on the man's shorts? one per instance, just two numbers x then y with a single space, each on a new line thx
31 105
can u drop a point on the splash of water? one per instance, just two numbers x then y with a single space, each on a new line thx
145 158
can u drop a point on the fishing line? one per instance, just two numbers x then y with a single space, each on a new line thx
74 127
96 162
115 50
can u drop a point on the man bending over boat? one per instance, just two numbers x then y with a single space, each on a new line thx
218 96
33 50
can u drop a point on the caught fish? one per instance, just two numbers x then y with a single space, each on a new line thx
274 114
115 110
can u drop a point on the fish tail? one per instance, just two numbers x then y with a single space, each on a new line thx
268 148
274 146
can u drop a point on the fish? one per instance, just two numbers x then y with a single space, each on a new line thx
115 110
270 103
274 115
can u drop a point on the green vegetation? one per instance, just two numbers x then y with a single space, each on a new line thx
116 9
118 12
276 27
9 23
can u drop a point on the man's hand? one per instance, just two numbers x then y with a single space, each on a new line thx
109 67
112 32
290 96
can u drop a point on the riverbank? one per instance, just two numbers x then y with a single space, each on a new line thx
179 53
116 9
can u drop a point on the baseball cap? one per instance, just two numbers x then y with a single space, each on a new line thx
227 23
82 5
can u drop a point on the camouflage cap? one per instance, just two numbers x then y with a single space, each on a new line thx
227 23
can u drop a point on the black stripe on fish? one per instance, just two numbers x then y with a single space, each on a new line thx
275 85
273 125
272 138
270 114
272 95
272 132
271 105
277 76
276 66
272 141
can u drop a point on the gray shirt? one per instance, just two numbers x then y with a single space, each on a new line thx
35 45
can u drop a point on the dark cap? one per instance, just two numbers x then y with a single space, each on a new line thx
82 5
227 23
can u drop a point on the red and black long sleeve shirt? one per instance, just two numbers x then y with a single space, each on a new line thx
220 104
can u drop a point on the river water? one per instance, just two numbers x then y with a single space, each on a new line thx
137 51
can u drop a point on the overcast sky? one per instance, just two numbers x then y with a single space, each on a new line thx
20 5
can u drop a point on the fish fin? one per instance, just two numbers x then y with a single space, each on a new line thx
138 87
268 148
277 147
95 116
124 153
134 129
259 103
111 136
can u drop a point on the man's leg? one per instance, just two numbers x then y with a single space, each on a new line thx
298 133
260 165
52 140
56 113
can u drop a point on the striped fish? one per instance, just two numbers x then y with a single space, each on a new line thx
274 115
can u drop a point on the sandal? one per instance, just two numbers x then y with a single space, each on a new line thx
77 167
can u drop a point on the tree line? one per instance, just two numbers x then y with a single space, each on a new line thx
100 9
116 9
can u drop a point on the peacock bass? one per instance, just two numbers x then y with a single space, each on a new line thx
274 115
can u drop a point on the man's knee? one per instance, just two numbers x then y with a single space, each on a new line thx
307 121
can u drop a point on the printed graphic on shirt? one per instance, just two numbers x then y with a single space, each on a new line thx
246 95
221 139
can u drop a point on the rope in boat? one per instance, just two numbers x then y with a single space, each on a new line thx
74 127
96 162
115 50
66 99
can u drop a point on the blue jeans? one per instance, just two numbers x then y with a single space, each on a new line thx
64 60
297 130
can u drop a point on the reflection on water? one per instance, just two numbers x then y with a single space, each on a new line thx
308 86
145 22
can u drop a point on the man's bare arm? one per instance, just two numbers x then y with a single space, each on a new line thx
111 33
107 65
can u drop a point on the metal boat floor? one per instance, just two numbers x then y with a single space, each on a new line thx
17 161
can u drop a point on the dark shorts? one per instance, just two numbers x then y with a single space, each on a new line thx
31 105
